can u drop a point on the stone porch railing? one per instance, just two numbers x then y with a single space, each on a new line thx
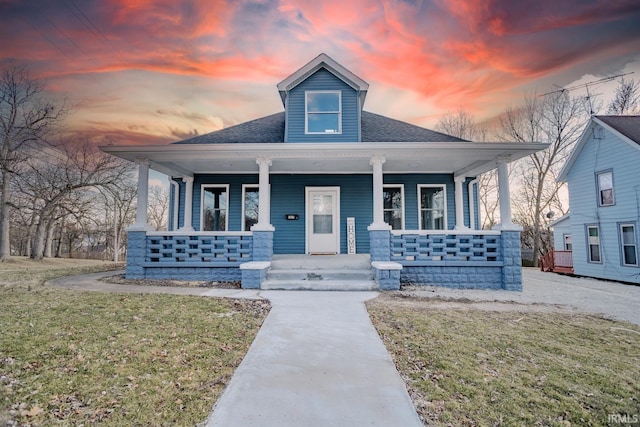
458 258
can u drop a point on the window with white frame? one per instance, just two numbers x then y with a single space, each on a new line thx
214 210
568 244
433 202
593 241
323 111
250 197
393 206
629 244
605 188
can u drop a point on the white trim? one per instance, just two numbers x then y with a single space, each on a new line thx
176 203
446 213
199 233
449 232
472 203
202 189
244 189
308 220
401 186
306 112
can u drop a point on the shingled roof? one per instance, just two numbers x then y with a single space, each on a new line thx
270 129
629 126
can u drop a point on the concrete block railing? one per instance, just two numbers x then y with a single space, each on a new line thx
479 259
188 255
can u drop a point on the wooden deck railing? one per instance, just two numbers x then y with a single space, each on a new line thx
557 261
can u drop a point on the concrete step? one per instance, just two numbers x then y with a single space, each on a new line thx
319 275
319 285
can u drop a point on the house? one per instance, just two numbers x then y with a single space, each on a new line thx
560 258
324 176
603 174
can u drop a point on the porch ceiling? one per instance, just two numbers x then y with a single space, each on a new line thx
459 158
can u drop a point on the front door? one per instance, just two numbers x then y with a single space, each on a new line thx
323 220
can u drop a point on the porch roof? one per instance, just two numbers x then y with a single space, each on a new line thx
461 158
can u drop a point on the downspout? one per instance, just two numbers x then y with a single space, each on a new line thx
472 203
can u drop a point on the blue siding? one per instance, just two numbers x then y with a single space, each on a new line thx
295 115
597 155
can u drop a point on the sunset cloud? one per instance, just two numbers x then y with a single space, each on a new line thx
150 71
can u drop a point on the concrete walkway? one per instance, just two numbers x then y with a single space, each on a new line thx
316 361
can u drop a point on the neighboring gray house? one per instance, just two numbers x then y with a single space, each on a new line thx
326 177
603 174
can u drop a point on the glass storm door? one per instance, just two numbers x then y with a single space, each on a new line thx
323 220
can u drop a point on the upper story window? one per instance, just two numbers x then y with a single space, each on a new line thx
605 188
323 111
433 202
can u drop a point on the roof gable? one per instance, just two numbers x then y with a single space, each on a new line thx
270 129
326 62
626 128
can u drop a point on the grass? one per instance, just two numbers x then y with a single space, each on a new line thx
468 367
72 358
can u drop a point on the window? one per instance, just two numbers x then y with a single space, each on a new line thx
605 188
393 206
250 195
214 207
568 244
593 240
629 244
433 202
323 112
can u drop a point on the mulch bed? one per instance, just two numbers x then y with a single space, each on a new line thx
120 280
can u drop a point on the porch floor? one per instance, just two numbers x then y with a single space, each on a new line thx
321 262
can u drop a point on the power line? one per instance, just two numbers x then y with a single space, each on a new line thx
587 85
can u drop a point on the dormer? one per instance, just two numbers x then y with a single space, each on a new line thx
323 103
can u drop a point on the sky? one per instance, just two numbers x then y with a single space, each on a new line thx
154 72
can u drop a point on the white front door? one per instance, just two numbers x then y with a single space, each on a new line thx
323 220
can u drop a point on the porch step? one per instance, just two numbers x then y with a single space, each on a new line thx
319 285
317 275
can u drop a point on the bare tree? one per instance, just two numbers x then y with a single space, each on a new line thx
26 118
627 98
158 207
557 119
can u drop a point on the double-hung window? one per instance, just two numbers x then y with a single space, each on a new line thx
629 245
323 111
393 206
593 241
250 195
433 203
215 202
605 188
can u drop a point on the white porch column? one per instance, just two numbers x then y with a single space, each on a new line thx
378 194
459 204
504 196
188 203
143 194
264 196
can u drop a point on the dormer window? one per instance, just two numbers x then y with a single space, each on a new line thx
323 111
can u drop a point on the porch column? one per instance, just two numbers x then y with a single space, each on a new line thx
143 195
188 203
504 197
378 194
459 204
264 197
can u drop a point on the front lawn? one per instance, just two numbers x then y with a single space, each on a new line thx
469 367
72 358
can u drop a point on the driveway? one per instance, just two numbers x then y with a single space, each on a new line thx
612 300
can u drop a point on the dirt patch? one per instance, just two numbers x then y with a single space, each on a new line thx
410 300
119 279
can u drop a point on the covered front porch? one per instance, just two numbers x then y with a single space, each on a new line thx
458 255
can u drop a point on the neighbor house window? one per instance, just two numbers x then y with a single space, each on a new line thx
393 206
323 112
629 244
593 240
250 195
605 188
433 202
568 244
215 202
